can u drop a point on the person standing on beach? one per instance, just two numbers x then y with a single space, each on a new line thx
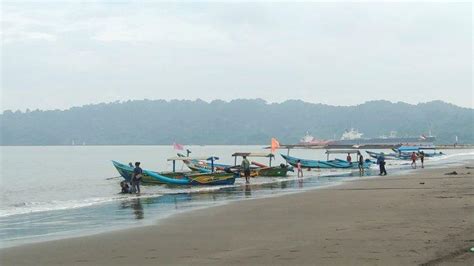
246 168
349 158
299 168
360 160
422 159
381 163
413 160
136 178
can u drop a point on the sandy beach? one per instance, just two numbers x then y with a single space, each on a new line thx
423 218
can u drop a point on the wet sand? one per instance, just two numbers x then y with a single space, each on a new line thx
426 217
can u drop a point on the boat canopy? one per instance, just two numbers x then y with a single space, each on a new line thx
338 151
182 158
179 158
253 154
298 146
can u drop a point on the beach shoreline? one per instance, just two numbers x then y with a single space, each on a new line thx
423 217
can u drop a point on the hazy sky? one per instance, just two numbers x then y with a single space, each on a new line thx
58 55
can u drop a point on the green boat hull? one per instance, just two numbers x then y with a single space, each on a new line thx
273 171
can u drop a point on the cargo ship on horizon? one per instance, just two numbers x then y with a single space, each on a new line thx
353 138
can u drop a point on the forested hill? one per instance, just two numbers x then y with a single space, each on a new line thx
235 122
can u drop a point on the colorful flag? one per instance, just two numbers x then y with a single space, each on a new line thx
275 144
177 146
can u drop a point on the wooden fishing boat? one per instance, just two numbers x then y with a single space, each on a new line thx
126 172
177 178
261 169
196 179
389 156
406 151
205 166
328 164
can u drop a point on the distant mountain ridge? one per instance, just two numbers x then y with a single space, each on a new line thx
239 121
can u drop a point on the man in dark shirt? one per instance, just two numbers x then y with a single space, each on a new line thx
360 163
381 163
422 159
136 177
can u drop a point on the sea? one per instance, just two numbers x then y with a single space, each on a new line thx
54 192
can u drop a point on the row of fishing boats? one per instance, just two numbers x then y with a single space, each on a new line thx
405 152
205 171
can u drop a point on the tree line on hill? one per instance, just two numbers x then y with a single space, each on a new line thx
239 121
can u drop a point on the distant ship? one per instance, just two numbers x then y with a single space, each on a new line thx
351 134
353 137
310 140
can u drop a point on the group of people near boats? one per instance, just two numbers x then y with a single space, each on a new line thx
413 157
134 185
360 163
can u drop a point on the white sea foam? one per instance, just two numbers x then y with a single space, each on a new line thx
56 205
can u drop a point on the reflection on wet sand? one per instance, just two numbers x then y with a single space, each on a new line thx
137 209
163 203
248 190
300 182
136 205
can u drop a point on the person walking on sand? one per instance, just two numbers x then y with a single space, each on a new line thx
246 168
360 160
136 178
413 160
299 168
381 163
422 159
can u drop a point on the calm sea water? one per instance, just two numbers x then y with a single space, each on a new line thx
61 191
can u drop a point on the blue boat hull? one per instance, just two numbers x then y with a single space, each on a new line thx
202 179
389 156
180 179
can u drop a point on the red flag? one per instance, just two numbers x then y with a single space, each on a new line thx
177 146
275 144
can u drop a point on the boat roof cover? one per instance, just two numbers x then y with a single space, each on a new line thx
179 158
253 154
341 151
297 146
415 148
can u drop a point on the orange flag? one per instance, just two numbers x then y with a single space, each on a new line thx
275 144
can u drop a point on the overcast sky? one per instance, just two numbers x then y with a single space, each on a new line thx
58 55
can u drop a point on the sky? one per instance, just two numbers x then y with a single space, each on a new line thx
59 54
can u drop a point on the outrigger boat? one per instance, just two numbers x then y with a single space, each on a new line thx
404 152
177 178
429 151
126 172
260 169
389 156
203 166
328 164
